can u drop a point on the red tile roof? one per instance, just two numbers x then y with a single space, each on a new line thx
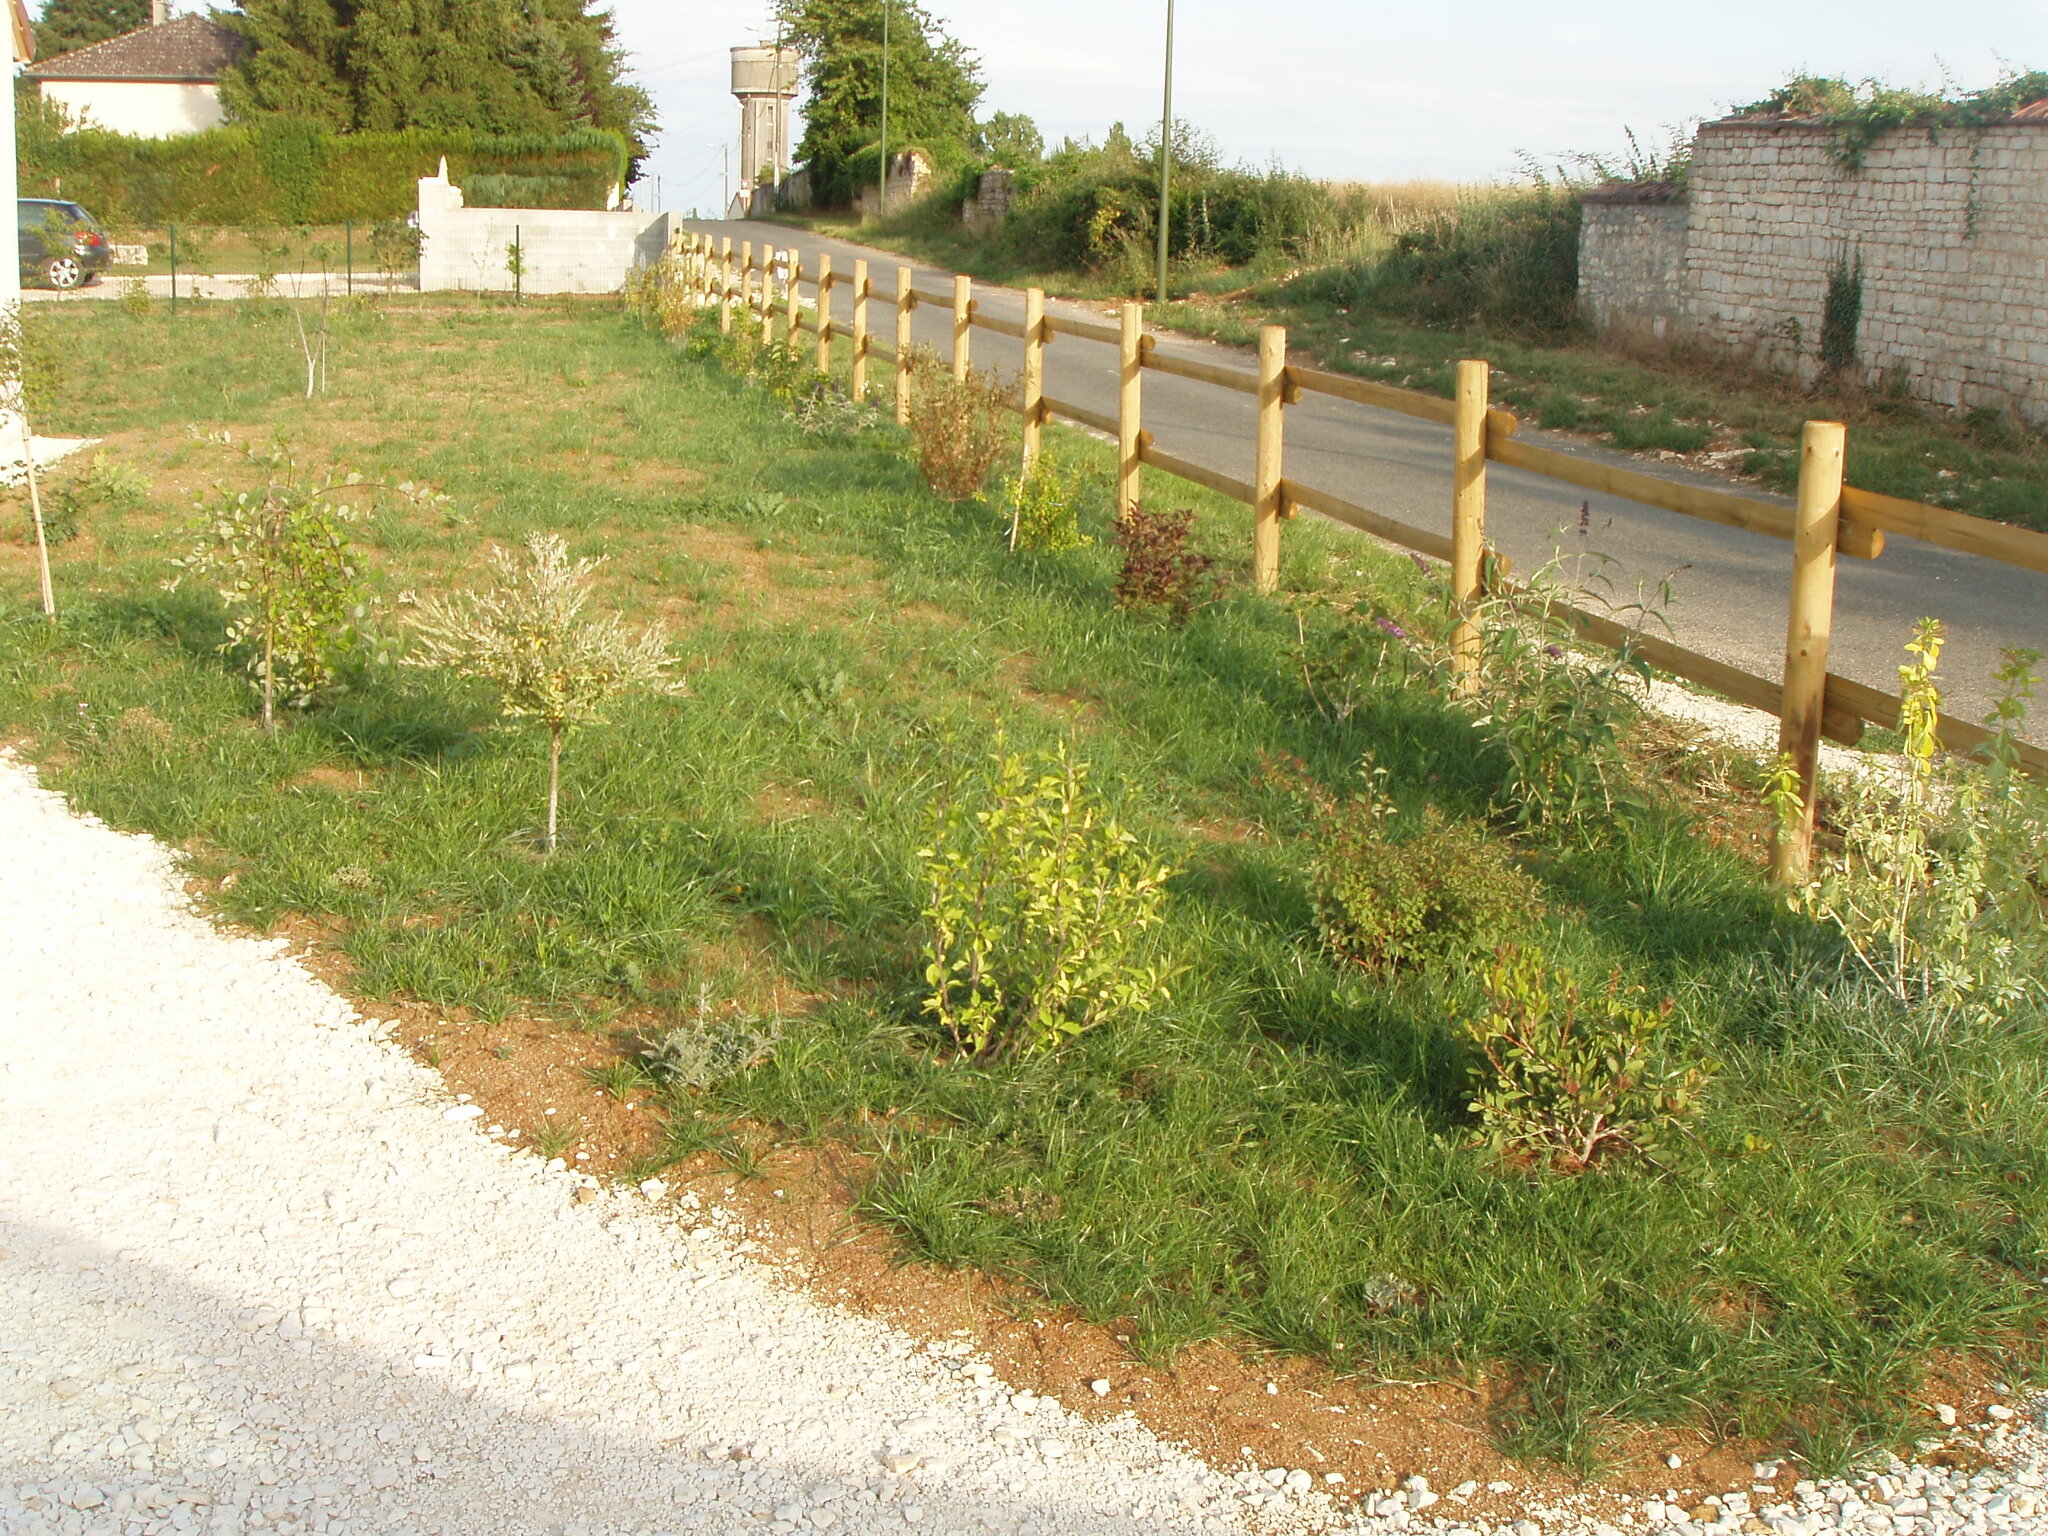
186 48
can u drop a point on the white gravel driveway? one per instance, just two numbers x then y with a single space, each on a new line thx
260 1273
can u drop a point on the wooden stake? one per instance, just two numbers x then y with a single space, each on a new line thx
747 277
1130 424
35 506
1266 477
963 322
1468 520
825 312
1034 374
792 313
1823 446
859 384
906 301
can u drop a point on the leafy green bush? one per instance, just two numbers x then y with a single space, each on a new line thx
284 172
106 485
1441 894
1036 905
1555 714
280 559
1569 1078
1505 260
1045 510
1936 875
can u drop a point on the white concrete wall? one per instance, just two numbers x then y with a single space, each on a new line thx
568 250
154 109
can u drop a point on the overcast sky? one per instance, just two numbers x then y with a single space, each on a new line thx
1363 89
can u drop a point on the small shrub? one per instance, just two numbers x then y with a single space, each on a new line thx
1936 876
957 427
106 486
1569 1078
1557 715
1443 895
281 561
395 247
1160 570
528 636
707 1051
1045 510
1036 905
829 411
134 297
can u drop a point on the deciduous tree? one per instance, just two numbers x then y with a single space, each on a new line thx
934 86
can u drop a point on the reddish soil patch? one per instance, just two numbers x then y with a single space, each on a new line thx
1230 1405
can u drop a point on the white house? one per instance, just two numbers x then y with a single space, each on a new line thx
157 81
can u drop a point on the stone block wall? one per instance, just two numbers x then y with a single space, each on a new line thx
1632 261
1950 231
563 250
990 205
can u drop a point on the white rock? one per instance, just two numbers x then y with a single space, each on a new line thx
463 1112
1100 1387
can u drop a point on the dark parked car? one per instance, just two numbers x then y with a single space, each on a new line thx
61 245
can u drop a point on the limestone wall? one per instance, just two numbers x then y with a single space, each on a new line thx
1632 263
1948 230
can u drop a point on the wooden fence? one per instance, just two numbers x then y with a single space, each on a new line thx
1829 519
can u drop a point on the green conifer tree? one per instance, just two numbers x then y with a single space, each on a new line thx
498 66
71 24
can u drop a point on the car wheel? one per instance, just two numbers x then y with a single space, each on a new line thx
63 272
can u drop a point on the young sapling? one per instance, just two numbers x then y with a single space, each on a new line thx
528 636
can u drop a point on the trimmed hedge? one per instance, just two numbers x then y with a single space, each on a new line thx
283 171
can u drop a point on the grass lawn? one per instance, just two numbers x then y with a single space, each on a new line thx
1683 407
1282 1154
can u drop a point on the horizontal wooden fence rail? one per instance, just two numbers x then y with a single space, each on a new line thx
1829 519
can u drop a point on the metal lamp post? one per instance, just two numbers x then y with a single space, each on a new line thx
887 7
1166 156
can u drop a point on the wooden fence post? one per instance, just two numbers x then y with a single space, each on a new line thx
793 315
825 312
1816 525
906 301
963 321
725 285
747 279
859 384
1468 520
1129 418
1266 477
1034 375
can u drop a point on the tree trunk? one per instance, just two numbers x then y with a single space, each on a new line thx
554 781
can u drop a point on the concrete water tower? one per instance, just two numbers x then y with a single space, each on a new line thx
764 78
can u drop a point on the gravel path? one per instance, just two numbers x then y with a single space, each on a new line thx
258 1272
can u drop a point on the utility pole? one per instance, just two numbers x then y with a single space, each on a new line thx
1166 156
725 208
887 7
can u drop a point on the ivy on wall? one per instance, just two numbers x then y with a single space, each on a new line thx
1859 115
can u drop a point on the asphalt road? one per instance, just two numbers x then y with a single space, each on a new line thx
1729 588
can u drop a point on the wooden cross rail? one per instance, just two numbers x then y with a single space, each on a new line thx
1829 519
